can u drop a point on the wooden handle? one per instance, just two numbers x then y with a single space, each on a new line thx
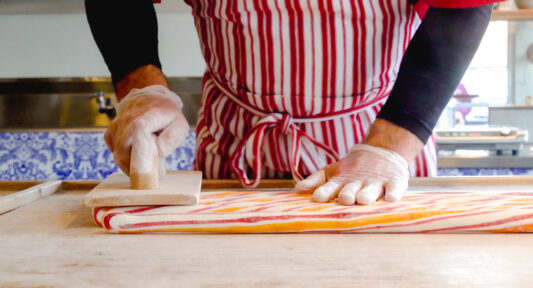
162 167
145 180
143 174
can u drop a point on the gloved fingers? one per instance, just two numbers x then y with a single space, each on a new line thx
394 191
122 149
327 191
370 193
312 182
348 194
170 138
122 136
162 167
151 122
124 165
144 112
109 134
108 140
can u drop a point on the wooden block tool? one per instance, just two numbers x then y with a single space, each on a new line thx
176 188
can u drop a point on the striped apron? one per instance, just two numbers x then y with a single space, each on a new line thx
291 85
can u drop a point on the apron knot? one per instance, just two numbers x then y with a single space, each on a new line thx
251 147
285 123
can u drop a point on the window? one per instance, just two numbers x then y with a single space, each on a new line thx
486 79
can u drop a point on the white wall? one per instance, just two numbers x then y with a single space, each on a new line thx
61 45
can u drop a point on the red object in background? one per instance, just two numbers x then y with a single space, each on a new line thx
462 96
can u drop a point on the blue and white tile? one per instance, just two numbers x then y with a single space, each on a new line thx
485 171
69 156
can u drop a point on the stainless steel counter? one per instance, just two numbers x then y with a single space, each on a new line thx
485 162
524 159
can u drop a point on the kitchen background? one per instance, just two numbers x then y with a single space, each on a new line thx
55 94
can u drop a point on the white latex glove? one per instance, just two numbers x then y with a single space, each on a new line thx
361 177
143 114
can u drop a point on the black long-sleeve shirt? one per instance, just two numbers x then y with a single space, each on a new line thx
432 67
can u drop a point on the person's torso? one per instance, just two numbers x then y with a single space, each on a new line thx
307 57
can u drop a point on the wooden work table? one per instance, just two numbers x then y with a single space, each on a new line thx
54 242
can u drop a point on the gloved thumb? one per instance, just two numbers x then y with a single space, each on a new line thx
312 182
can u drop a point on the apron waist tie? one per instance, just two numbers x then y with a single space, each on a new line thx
251 146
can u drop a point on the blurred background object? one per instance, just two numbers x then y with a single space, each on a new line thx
524 4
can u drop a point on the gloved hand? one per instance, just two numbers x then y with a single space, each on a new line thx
361 177
141 115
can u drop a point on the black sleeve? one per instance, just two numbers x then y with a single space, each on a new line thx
126 34
433 66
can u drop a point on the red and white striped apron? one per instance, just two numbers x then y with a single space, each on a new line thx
291 85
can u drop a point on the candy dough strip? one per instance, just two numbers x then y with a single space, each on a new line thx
288 212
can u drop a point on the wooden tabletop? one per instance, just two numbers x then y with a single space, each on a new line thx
54 242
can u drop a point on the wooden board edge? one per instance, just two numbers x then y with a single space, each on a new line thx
68 185
220 184
184 201
18 185
21 198
441 181
498 181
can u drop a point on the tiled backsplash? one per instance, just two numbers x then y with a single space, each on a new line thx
84 155
69 156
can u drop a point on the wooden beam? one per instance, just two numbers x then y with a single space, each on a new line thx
510 15
19 199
